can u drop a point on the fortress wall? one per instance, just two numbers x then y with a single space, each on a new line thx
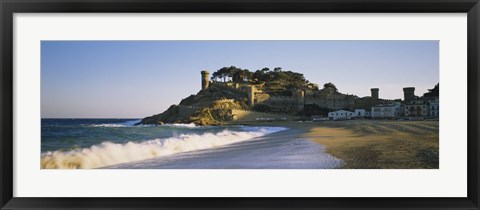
310 100
244 115
284 103
341 99
284 99
331 102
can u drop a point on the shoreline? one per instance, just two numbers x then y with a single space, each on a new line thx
286 149
352 144
175 140
365 144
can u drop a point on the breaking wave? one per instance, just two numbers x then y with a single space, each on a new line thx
108 153
116 125
108 125
133 122
180 125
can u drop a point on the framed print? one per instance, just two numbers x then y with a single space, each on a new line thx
251 105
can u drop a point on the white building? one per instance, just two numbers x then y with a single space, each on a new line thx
417 108
360 113
434 108
341 115
368 114
387 111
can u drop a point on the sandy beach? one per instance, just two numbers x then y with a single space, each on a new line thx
380 144
368 144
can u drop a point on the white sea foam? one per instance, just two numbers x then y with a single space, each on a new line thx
108 125
129 123
108 153
179 125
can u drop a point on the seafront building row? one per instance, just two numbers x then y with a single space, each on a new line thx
412 108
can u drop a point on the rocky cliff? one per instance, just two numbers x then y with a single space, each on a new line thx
208 107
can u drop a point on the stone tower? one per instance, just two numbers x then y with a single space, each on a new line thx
408 94
374 93
251 96
205 79
300 99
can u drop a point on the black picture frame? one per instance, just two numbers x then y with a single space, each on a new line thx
9 7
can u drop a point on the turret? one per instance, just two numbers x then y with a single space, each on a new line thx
374 93
408 94
205 79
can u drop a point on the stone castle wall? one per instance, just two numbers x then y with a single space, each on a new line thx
237 114
296 101
245 115
334 102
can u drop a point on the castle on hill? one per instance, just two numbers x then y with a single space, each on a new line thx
350 106
289 101
244 99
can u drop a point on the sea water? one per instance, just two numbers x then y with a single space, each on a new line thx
119 143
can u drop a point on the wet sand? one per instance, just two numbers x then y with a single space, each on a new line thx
373 144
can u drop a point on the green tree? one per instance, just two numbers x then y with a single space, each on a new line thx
435 92
274 79
234 73
330 86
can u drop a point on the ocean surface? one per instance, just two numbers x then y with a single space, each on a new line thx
119 143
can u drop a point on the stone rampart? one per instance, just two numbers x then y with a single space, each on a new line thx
245 115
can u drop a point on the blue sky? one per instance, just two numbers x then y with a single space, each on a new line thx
134 79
